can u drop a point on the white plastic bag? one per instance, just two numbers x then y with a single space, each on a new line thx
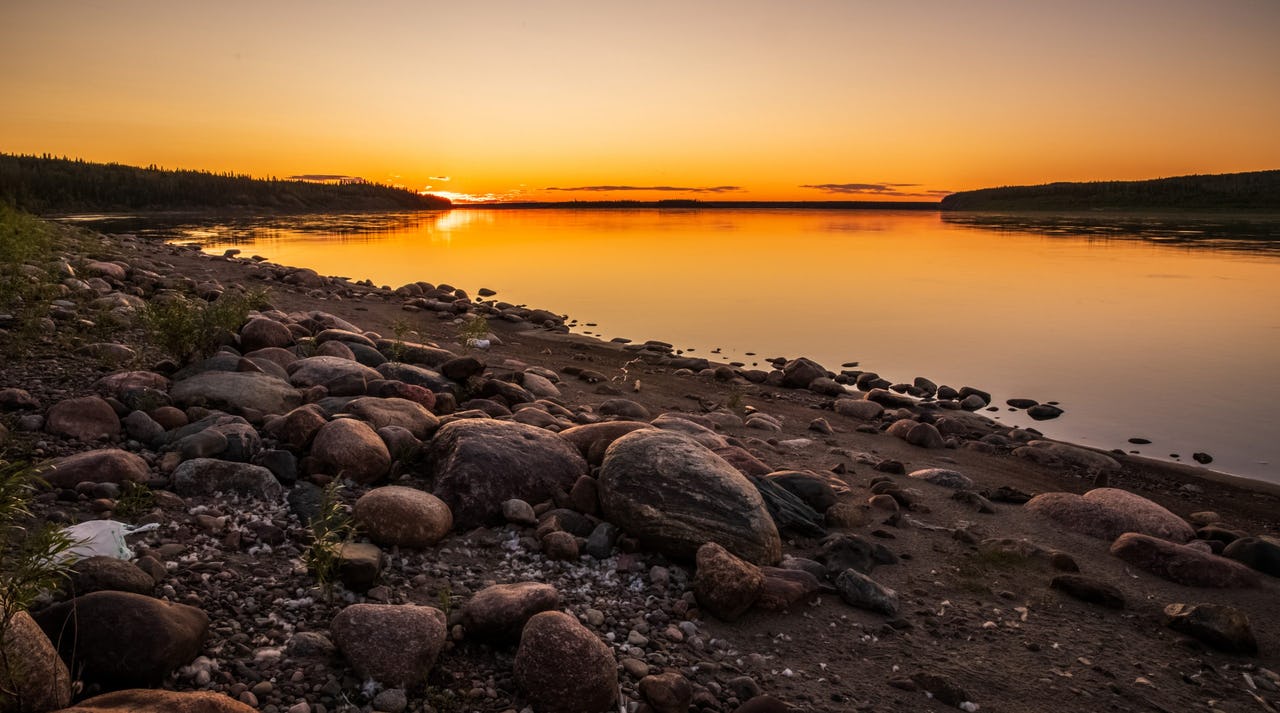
101 538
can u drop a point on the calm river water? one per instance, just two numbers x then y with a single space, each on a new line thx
1168 331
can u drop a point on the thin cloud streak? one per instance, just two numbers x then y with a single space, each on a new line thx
876 189
666 189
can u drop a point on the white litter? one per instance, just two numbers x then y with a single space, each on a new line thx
101 538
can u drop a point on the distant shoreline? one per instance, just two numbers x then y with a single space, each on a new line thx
698 205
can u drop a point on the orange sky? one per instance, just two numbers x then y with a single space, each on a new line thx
820 99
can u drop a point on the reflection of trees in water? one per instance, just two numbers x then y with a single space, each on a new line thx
249 229
1232 234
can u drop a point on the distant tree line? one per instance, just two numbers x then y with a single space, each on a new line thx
1255 191
44 184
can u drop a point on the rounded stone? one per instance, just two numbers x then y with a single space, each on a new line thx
84 419
563 667
394 644
348 448
394 515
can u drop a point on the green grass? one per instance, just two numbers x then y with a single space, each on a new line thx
472 329
29 558
330 529
187 329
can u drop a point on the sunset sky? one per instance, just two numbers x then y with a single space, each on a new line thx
596 99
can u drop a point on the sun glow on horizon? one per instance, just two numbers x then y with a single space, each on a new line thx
754 100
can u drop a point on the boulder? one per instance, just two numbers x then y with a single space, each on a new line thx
122 638
1182 564
564 668
799 373
85 419
348 448
296 428
742 459
668 692
623 408
683 423
674 495
925 435
206 476
30 669
784 588
97 574
359 565
501 610
860 409
261 333
122 382
237 391
859 590
1223 627
144 700
724 585
394 515
943 477
380 412
842 551
107 465
1260 553
340 376
416 375
1107 513
1089 589
815 490
14 399
394 644
1063 455
478 464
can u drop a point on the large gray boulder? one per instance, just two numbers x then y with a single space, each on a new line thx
340 376
675 495
237 391
206 476
478 464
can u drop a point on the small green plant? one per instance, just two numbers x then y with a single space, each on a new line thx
331 528
736 401
31 560
189 329
444 595
473 329
135 499
23 239
400 329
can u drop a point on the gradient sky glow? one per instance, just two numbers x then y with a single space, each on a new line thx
820 99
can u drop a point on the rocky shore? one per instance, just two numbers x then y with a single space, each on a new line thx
547 522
